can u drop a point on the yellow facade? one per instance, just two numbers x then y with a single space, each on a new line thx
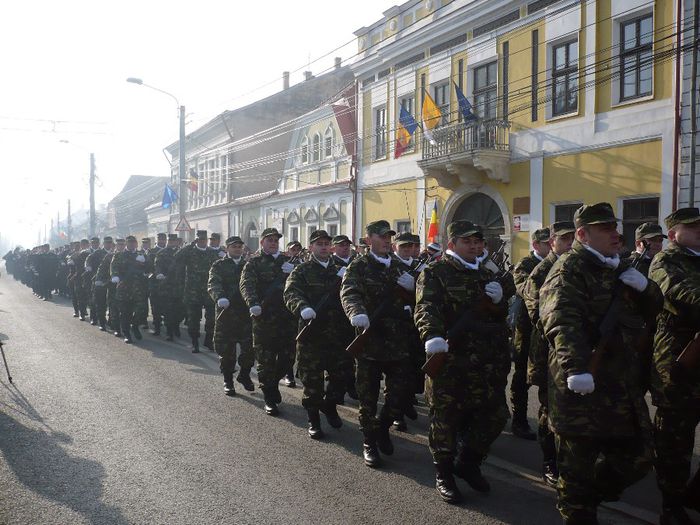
392 202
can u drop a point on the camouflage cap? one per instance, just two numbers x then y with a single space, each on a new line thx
202 234
682 216
270 232
318 235
84 241
541 235
121 241
648 230
172 237
464 229
162 235
435 247
340 239
215 236
293 243
234 240
380 228
404 238
131 238
94 239
146 239
601 213
562 228
107 239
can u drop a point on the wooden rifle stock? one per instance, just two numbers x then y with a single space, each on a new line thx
690 356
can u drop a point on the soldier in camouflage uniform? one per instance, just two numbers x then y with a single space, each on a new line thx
676 391
76 264
560 241
92 263
295 253
232 317
274 328
100 282
168 288
467 396
112 302
193 263
155 291
651 235
377 295
601 423
215 245
522 335
312 294
128 274
82 289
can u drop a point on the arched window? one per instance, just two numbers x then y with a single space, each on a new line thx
328 143
305 150
316 149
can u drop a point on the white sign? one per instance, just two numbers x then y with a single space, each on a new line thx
521 223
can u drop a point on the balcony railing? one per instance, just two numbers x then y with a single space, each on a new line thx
466 137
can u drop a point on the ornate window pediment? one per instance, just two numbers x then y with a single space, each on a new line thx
311 215
293 218
331 214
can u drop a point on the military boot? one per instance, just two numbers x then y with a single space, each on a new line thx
445 482
169 333
195 345
209 341
228 384
370 452
400 424
127 336
467 466
156 328
103 325
331 412
521 428
383 439
244 379
270 405
137 332
315 431
550 473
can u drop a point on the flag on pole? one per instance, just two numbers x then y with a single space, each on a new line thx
464 106
193 181
431 117
169 197
433 229
404 132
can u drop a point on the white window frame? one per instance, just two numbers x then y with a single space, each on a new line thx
410 97
304 157
328 147
641 12
316 148
380 139
549 106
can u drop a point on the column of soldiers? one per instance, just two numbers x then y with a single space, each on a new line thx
593 332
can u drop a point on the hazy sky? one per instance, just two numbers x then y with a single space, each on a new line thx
68 61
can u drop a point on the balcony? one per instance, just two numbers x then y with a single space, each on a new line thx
463 153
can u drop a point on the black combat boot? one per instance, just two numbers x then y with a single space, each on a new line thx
467 467
370 452
127 336
270 404
169 332
331 412
209 342
137 332
244 379
400 425
550 473
156 328
521 428
383 439
315 431
289 381
176 330
103 325
445 482
195 345
228 384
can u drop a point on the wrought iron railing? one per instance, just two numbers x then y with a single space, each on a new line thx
465 137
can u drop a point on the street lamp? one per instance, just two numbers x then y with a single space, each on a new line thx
181 143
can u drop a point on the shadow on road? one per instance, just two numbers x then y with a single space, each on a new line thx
39 461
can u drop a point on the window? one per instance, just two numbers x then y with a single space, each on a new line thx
403 226
535 68
636 58
332 230
564 78
328 143
406 102
305 150
441 96
310 230
316 148
294 233
380 133
485 90
634 213
565 212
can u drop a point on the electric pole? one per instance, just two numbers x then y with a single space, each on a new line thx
92 195
182 169
69 233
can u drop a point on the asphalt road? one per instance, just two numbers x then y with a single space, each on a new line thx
96 431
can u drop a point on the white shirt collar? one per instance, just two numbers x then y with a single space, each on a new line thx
471 266
386 261
407 262
201 249
610 262
273 255
322 263
537 256
346 260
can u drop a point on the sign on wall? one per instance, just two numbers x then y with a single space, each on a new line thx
521 223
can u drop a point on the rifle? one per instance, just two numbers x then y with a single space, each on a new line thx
690 356
274 287
2 351
610 319
303 333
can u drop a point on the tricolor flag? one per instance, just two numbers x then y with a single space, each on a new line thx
464 106
193 181
404 132
433 229
169 196
432 116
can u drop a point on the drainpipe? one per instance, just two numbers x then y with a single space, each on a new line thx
693 105
677 113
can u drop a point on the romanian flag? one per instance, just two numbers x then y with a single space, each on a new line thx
433 229
193 181
404 132
432 116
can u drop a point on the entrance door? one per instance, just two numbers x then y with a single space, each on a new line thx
481 209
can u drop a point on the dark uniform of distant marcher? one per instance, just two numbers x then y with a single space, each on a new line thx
215 245
47 272
232 317
312 294
294 252
81 289
155 291
676 390
92 264
74 273
100 282
560 240
377 296
467 397
650 236
141 313
274 328
114 318
168 288
521 335
601 422
193 264
128 274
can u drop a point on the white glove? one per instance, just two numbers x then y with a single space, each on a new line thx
287 267
360 321
255 311
581 383
494 291
342 271
222 254
140 258
160 277
223 303
308 313
88 268
407 282
99 283
116 279
491 266
436 345
634 279
71 263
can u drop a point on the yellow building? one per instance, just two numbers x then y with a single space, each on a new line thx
575 104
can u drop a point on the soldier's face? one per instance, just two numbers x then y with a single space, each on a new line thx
293 251
468 248
234 250
342 250
380 244
109 246
541 248
270 244
145 245
84 245
120 247
202 243
95 244
687 235
321 249
214 243
404 250
603 238
562 243
131 245
655 244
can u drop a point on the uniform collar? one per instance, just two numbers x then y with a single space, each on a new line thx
468 265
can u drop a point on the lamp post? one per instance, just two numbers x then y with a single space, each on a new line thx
181 143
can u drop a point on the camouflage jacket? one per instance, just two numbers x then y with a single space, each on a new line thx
224 282
262 284
523 328
76 264
573 301
445 292
164 263
131 273
340 262
193 267
643 266
104 269
93 262
677 272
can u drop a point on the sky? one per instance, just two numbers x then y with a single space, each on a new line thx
63 89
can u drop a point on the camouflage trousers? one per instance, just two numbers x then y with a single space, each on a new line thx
72 289
592 470
194 317
82 293
323 354
173 311
674 434
273 343
397 389
113 304
99 302
518 383
231 328
545 437
467 404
